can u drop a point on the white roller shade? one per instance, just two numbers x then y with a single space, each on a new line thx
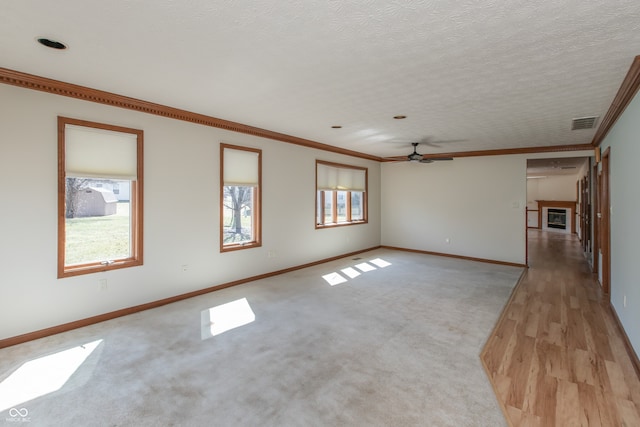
337 178
327 177
100 153
358 180
241 168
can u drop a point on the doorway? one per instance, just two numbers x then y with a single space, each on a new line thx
605 223
559 200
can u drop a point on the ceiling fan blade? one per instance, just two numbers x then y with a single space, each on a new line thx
437 143
416 157
395 159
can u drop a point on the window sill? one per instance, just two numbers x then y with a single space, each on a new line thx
77 270
240 246
340 224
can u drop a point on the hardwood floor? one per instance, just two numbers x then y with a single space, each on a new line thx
557 356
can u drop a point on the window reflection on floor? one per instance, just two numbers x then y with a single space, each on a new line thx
222 318
351 272
335 278
44 375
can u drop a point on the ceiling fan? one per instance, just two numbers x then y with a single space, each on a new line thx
417 157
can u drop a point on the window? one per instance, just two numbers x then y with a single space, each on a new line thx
341 194
98 229
240 195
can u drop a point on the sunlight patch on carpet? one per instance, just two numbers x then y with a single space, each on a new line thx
334 278
365 266
380 262
222 318
351 272
44 375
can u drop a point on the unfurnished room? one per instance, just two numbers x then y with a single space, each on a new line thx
368 213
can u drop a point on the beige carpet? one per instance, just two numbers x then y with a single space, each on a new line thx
397 345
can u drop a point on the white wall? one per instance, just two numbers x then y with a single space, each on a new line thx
625 218
478 203
558 187
181 217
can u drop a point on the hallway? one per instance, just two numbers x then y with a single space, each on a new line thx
556 356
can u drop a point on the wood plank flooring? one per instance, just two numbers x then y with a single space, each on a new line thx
556 356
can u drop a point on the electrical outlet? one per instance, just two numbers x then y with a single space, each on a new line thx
185 267
271 254
447 241
103 284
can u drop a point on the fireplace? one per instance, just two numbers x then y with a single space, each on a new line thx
557 218
566 206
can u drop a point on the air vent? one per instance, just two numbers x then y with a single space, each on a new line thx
584 123
567 167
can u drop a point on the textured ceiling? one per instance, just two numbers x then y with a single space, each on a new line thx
472 75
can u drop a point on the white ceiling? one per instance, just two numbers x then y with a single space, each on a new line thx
555 166
476 75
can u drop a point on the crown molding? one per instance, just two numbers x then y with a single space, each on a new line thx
30 81
627 91
524 150
500 152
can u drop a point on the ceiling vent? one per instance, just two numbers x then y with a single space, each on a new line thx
584 123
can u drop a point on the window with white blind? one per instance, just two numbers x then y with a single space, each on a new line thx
341 194
99 197
240 197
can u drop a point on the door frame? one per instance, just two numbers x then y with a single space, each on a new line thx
595 260
605 229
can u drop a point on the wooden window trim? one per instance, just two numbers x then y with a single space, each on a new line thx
257 203
334 207
136 200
